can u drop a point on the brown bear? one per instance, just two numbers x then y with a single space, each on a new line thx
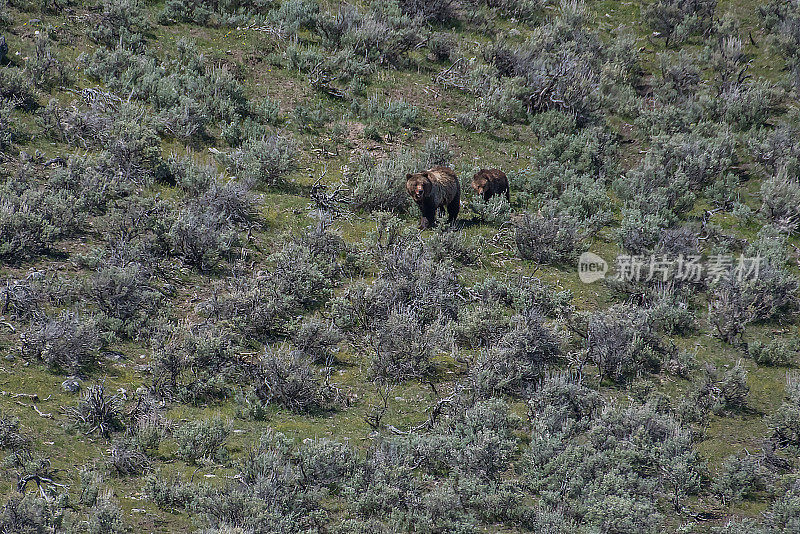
432 190
491 182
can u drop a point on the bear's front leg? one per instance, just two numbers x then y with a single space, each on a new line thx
428 219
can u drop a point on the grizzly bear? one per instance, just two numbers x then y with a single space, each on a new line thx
491 182
432 190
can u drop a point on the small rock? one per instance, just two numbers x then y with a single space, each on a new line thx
114 356
71 385
10 357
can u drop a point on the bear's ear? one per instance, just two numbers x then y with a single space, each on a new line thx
408 177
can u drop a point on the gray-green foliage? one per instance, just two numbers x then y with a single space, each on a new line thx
784 423
188 91
405 345
780 195
194 364
676 21
263 161
607 485
121 22
380 185
554 239
33 217
716 392
740 477
67 342
519 358
623 342
301 276
496 211
290 379
203 439
779 352
45 68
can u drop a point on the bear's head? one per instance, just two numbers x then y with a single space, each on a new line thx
480 183
418 185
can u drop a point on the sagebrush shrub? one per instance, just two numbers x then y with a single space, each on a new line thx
741 477
264 161
623 343
716 392
473 439
211 12
202 236
429 11
78 125
446 244
405 346
261 305
17 86
515 363
105 517
780 196
45 69
482 325
564 403
407 278
33 219
126 297
317 339
126 457
784 423
603 454
496 211
670 312
676 21
194 364
11 437
288 378
121 21
67 342
8 126
778 352
746 105
380 185
442 45
392 115
204 439
93 183
555 239
735 303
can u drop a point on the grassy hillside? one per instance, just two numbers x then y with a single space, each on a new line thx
219 314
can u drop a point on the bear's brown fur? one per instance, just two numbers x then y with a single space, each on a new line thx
432 190
491 182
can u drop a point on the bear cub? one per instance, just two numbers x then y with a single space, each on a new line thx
491 182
